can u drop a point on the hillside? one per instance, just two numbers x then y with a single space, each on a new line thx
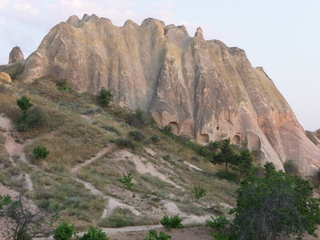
81 173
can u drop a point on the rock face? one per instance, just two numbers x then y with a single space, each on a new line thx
5 78
16 55
203 89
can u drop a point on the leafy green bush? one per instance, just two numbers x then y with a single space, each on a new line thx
291 168
167 130
220 225
154 236
24 103
173 222
125 142
155 138
34 118
40 152
104 97
198 192
137 135
139 119
64 231
94 234
126 180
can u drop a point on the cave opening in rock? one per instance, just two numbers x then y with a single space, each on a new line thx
236 139
175 127
204 138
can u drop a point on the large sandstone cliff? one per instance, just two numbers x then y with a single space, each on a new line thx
203 89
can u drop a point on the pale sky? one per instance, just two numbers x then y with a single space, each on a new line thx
282 36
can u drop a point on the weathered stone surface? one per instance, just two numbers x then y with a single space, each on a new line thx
16 55
5 78
203 89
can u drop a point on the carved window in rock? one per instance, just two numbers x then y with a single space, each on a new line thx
254 143
204 138
236 139
175 128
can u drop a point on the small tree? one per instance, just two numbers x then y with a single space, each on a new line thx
23 220
198 192
24 103
226 154
94 234
104 97
244 164
275 205
64 231
126 181
40 152
173 222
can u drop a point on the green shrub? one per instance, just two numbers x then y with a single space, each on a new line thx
104 97
167 130
65 89
138 119
155 138
198 192
220 226
125 142
94 234
291 168
126 180
24 103
33 118
173 222
64 231
166 157
40 152
154 236
137 135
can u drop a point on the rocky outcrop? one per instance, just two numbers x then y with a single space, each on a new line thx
5 78
16 55
203 89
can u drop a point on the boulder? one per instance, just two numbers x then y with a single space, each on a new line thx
5 78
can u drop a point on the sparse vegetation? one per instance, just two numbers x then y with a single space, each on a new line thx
94 234
198 192
153 235
126 181
173 222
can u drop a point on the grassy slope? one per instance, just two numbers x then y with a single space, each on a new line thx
72 140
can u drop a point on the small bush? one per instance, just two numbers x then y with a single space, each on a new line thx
198 192
167 130
291 168
137 135
166 157
154 236
138 119
24 103
64 231
173 222
126 180
220 226
104 97
94 234
155 138
125 143
40 152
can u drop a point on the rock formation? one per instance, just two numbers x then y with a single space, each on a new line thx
203 89
16 55
5 78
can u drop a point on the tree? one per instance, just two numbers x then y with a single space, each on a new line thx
24 103
104 97
64 231
244 164
23 220
226 154
275 205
